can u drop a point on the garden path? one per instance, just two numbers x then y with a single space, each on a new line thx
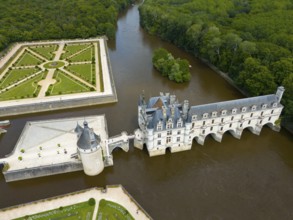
46 83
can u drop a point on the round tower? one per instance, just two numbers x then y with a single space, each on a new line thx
90 150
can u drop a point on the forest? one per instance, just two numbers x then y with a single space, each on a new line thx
250 40
41 20
175 69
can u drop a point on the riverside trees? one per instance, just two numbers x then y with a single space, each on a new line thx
249 40
175 69
50 19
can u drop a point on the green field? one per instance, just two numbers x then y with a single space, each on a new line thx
24 90
85 55
67 85
83 71
27 59
71 49
45 51
82 211
111 211
15 75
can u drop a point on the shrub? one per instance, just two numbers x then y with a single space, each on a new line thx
5 167
92 201
19 158
22 150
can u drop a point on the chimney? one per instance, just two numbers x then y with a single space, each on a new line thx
172 99
185 108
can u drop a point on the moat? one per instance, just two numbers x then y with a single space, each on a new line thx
249 178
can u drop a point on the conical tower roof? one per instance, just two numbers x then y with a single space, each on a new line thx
88 139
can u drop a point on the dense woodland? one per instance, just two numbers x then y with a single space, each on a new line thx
250 40
52 19
175 69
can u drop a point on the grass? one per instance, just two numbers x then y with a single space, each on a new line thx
67 85
24 90
112 211
83 211
83 71
27 59
85 55
45 51
15 75
71 49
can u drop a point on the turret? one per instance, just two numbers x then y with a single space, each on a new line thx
280 93
90 150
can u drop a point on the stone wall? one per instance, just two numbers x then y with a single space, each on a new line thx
56 105
29 173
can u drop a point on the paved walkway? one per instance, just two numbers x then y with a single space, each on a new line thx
59 52
46 83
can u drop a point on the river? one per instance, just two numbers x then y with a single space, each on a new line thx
251 178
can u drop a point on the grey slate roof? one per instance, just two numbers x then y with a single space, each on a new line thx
88 139
199 110
157 116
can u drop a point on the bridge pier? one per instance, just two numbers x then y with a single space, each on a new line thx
217 137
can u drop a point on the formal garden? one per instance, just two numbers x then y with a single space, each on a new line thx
107 210
112 211
82 211
41 70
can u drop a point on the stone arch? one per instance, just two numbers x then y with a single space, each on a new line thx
168 150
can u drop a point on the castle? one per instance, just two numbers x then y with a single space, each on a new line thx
164 123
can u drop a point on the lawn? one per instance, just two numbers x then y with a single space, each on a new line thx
45 51
111 211
85 55
24 90
82 211
15 75
67 85
27 59
71 49
83 71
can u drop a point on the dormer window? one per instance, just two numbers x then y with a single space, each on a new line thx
214 114
275 104
234 110
179 123
253 108
264 106
243 109
224 112
169 123
194 117
159 126
205 115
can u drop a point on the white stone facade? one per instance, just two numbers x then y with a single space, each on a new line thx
165 124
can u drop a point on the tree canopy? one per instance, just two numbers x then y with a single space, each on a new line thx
37 19
252 41
175 69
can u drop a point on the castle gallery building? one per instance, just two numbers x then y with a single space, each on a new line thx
164 123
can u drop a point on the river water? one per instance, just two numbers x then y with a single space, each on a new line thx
251 178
